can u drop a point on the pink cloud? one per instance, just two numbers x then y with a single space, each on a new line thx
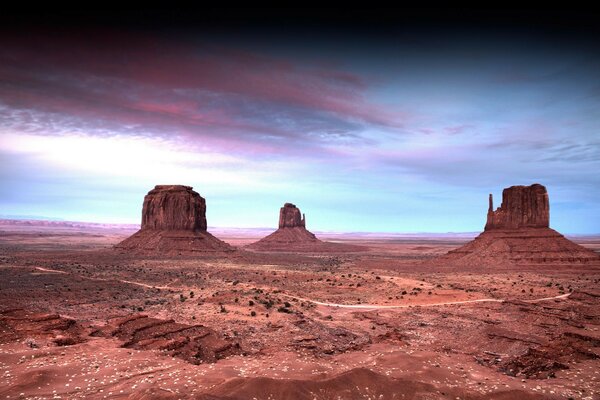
456 129
207 95
151 62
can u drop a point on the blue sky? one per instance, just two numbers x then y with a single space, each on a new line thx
403 133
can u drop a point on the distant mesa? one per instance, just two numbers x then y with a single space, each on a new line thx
518 233
173 222
293 236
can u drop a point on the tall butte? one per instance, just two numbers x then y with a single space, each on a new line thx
518 233
173 222
293 236
522 207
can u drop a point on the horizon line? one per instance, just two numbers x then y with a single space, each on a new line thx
134 225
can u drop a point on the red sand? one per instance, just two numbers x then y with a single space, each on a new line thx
535 335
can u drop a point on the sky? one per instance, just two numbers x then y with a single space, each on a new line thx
389 122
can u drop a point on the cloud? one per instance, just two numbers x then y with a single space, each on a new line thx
147 85
418 133
457 129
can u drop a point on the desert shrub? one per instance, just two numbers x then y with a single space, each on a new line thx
269 304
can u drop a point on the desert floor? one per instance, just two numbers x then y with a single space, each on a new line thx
380 324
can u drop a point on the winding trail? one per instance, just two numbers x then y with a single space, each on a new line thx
446 303
562 296
56 271
335 305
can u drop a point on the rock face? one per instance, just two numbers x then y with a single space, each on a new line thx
290 217
40 329
193 343
173 223
174 207
518 233
292 235
522 207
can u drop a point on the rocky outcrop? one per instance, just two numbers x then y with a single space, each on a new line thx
293 236
522 207
193 343
518 233
39 329
174 207
173 223
290 217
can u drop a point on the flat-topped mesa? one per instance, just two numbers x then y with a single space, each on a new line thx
174 207
522 207
173 223
290 217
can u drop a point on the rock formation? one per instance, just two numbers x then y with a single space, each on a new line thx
518 233
173 222
290 217
522 207
39 329
174 207
193 343
292 235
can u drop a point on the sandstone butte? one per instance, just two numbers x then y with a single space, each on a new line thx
519 233
173 223
293 236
